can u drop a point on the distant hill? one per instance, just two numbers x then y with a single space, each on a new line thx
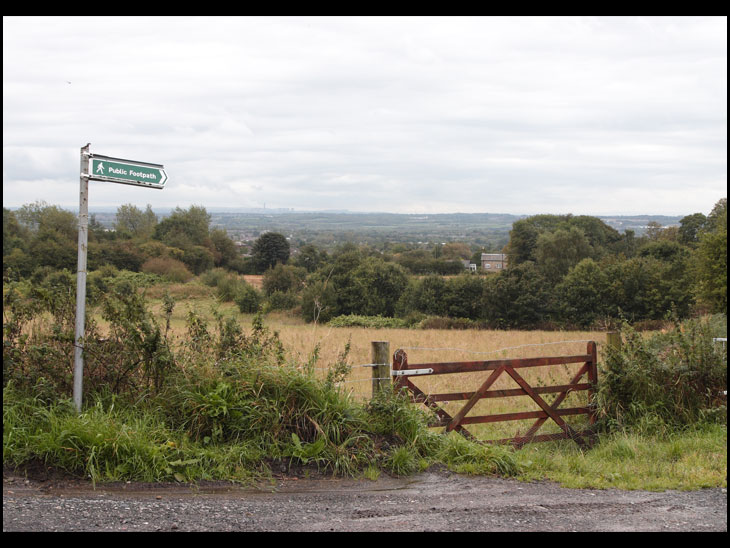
332 227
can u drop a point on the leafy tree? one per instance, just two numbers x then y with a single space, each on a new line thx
134 223
525 233
717 219
465 297
380 285
225 249
319 301
627 245
455 251
601 237
248 299
519 297
53 235
427 295
15 239
416 261
268 249
310 257
664 250
198 258
43 219
184 228
690 228
556 252
339 276
121 254
583 294
711 258
283 278
643 288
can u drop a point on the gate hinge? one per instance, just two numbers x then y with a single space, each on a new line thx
409 372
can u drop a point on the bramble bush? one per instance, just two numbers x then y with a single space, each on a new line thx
672 378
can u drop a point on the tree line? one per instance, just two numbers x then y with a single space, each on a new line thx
564 270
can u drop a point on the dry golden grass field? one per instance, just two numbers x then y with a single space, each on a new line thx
422 346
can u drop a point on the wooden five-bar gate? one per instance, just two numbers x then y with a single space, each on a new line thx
403 372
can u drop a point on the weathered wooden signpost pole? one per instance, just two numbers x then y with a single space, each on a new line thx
112 170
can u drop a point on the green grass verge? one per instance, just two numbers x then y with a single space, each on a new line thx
686 460
116 442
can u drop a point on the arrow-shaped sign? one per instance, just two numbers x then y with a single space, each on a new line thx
128 172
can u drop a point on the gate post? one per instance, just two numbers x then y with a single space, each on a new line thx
380 354
613 339
592 350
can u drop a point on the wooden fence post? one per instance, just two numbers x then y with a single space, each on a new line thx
613 339
380 353
592 351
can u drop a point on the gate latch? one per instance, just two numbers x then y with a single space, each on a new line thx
409 372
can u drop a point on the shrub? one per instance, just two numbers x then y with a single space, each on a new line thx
450 323
279 300
230 288
169 268
372 322
284 279
248 299
669 378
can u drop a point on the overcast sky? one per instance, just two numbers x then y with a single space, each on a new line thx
594 116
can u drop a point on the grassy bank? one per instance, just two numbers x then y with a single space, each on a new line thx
114 442
191 391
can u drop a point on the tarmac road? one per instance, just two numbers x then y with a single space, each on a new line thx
432 501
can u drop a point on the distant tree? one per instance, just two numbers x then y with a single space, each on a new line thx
455 251
283 278
184 228
310 257
627 245
711 256
464 297
583 294
121 254
416 261
14 235
42 218
601 237
690 228
380 285
427 295
198 258
646 288
52 235
525 233
269 249
557 252
132 222
717 219
225 248
319 301
519 297
664 250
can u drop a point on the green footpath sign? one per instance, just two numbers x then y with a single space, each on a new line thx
128 172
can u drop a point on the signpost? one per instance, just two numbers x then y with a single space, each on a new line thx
112 170
127 172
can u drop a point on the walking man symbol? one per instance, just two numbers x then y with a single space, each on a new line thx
100 168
